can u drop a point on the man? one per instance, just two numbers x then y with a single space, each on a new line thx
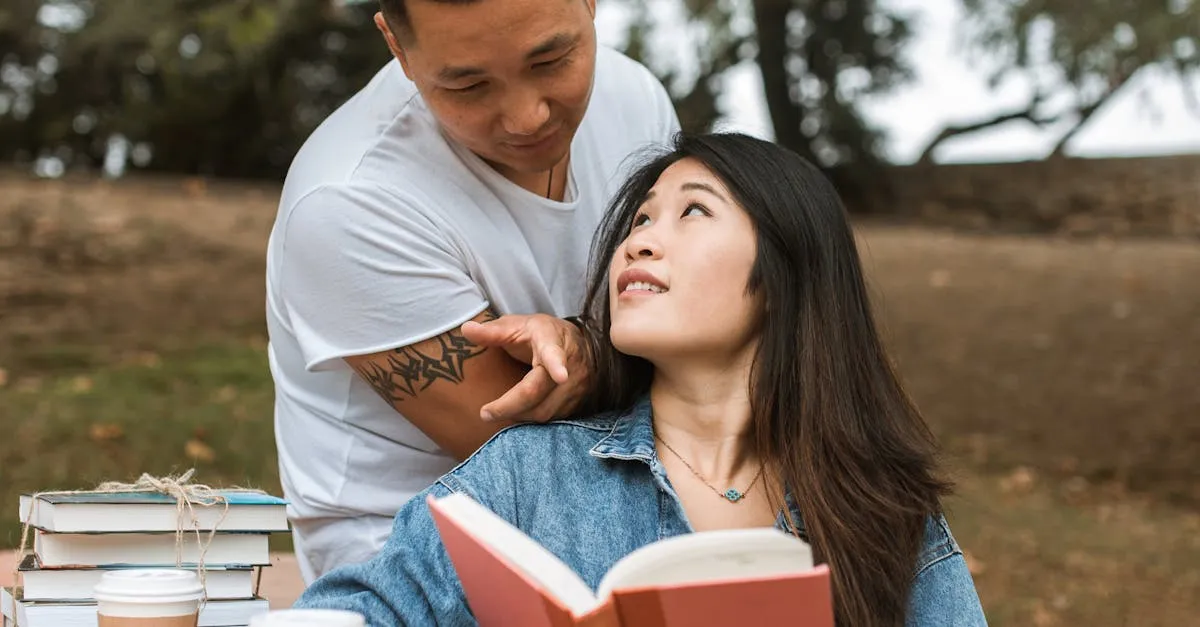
464 182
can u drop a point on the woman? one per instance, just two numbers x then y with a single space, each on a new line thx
740 382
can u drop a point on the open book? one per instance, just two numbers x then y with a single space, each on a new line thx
715 578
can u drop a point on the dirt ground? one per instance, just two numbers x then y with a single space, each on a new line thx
1053 370
1077 358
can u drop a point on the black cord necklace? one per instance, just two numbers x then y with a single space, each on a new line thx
549 182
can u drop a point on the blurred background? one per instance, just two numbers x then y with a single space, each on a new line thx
1024 175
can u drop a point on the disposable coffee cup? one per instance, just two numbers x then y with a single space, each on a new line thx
148 597
308 618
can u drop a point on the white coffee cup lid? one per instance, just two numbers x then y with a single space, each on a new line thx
148 585
308 618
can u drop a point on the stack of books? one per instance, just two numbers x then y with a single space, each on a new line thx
77 537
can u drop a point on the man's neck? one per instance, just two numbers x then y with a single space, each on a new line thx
550 184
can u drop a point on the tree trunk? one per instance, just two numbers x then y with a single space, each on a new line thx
770 17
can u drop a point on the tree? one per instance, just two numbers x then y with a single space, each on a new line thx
215 87
1078 54
232 87
818 59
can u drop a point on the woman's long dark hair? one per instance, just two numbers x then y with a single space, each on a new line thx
828 412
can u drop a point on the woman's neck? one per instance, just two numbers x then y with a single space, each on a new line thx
704 417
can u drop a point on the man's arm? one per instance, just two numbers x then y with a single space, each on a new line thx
440 385
443 384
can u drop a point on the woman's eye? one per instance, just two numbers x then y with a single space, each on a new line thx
695 209
640 219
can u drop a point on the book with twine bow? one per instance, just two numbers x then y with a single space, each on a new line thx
110 512
153 522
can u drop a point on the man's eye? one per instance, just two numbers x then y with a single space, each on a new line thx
468 89
549 64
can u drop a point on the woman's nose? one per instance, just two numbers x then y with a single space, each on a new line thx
643 245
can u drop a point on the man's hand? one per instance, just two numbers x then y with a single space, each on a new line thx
556 352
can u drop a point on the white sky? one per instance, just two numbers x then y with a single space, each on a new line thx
947 90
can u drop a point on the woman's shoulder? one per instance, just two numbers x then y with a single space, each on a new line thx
938 544
943 591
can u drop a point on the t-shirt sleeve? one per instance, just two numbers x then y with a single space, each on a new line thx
363 271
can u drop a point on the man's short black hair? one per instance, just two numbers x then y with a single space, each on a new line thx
396 14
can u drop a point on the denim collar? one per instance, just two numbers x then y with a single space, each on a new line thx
632 438
632 435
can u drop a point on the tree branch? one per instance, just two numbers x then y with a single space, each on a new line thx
1190 99
1028 114
1085 113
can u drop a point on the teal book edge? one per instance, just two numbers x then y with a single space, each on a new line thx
233 497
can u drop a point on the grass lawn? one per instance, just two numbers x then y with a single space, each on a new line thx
208 407
1042 555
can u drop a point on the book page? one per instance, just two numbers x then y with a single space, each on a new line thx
710 556
520 551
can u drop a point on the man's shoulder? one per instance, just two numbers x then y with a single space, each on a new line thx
630 107
625 79
379 138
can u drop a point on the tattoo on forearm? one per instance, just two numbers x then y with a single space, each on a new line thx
408 371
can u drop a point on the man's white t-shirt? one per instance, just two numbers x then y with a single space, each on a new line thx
389 234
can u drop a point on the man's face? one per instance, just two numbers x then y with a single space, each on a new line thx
508 79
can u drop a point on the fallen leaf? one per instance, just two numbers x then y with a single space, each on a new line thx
939 278
81 384
1043 617
1019 481
199 451
226 394
28 384
148 359
3 377
103 432
195 186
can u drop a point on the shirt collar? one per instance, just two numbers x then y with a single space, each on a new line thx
632 435
632 438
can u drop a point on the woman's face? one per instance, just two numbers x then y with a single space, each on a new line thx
677 284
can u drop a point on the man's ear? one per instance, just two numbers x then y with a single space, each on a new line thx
591 4
392 43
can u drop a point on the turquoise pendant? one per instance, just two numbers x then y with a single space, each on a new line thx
733 495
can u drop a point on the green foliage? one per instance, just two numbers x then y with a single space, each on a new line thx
232 87
218 87
1094 47
1085 38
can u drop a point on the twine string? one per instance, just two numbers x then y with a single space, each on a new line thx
187 496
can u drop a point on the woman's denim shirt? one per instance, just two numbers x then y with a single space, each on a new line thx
591 491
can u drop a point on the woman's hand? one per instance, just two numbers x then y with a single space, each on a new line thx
558 358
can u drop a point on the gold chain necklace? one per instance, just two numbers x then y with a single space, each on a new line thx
732 494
